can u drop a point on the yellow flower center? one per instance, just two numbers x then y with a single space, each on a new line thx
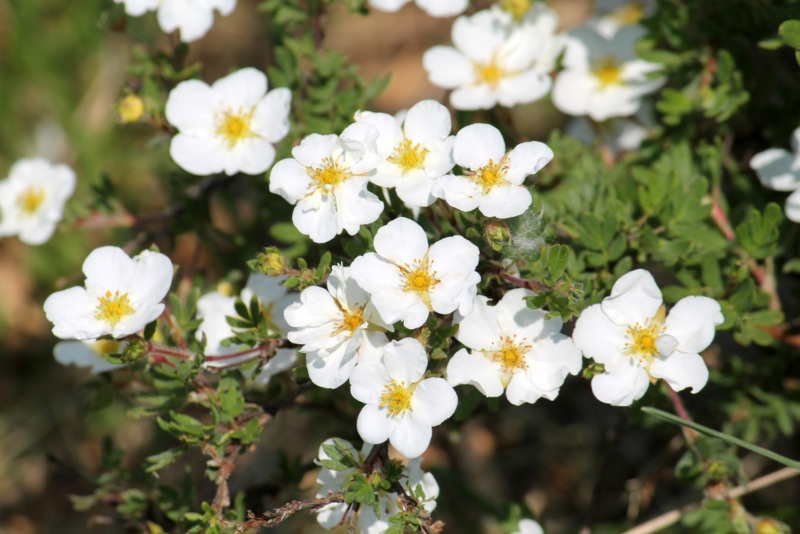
235 126
641 342
409 156
420 280
30 200
113 308
352 319
490 74
608 72
511 355
630 13
517 8
329 175
105 346
131 109
491 175
397 397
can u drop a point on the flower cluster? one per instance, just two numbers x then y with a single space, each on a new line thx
327 177
507 55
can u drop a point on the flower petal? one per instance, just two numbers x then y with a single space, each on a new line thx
410 436
374 424
681 370
434 401
621 384
476 144
634 298
474 369
691 321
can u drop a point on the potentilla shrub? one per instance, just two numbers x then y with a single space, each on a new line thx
411 283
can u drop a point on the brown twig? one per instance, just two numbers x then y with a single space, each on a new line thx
281 514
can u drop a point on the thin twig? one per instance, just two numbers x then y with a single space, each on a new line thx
673 516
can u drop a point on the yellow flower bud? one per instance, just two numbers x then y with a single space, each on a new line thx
130 109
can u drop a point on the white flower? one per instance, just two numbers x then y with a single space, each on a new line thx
528 526
331 515
337 327
628 333
121 295
89 353
228 127
779 169
619 134
32 199
434 8
327 181
493 181
414 155
407 280
616 14
512 347
401 406
192 17
495 59
603 77
213 308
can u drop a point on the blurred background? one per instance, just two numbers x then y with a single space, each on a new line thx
63 71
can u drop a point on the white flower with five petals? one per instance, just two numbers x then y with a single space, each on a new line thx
629 334
434 8
779 169
192 17
230 126
493 181
401 405
326 180
337 328
407 279
415 154
32 199
603 77
512 348
121 296
496 60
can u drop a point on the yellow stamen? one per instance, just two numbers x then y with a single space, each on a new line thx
409 156
642 344
511 355
420 280
517 8
105 346
397 397
329 175
490 74
608 72
113 308
352 319
491 175
235 126
31 199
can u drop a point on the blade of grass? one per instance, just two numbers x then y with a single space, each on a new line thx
666 416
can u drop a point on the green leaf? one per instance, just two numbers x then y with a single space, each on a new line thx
666 416
790 33
758 234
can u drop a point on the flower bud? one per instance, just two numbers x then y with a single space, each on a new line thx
498 235
130 109
135 349
271 262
